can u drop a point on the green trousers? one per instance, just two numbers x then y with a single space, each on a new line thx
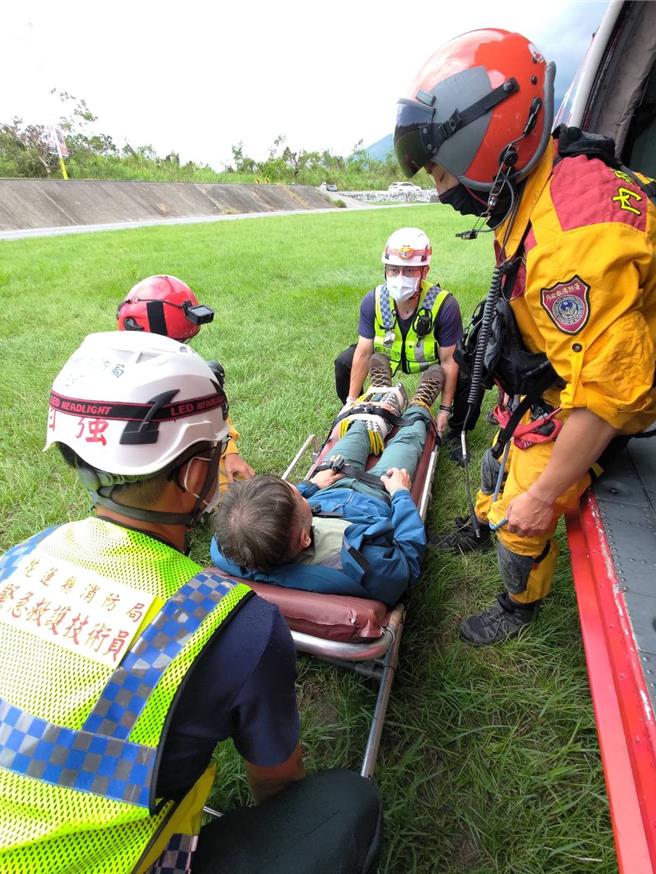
402 451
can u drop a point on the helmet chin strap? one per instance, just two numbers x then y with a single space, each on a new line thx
101 485
501 180
139 513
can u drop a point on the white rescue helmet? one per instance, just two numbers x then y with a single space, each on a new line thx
130 403
408 247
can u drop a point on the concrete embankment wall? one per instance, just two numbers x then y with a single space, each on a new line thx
51 203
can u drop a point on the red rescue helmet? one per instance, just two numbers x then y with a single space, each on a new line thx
484 100
163 305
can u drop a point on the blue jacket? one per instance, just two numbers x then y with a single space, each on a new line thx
381 553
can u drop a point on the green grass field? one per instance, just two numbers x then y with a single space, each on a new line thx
489 760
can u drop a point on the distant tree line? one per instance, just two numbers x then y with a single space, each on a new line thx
28 150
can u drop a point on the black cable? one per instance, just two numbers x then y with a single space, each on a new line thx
475 387
476 379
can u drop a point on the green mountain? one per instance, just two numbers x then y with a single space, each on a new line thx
381 148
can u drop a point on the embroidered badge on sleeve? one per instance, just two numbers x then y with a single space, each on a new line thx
568 304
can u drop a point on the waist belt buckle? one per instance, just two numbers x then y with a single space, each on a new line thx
337 463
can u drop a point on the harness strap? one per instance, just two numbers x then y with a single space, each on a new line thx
542 383
507 431
643 434
339 465
370 410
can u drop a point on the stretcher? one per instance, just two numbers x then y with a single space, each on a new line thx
612 539
354 633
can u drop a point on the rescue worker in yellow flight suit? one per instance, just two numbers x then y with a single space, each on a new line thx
574 242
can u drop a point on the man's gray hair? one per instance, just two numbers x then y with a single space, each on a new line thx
254 522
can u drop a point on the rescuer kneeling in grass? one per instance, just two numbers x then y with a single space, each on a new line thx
414 324
123 663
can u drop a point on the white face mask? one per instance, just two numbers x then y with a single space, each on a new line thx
402 287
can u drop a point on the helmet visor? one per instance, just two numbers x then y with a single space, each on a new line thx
412 140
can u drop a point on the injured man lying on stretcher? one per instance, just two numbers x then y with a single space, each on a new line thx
345 531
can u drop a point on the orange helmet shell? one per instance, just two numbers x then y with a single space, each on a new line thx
464 71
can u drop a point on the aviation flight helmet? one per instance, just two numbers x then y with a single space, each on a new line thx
482 102
163 305
132 405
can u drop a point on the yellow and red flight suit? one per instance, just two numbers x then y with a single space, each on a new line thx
230 449
585 296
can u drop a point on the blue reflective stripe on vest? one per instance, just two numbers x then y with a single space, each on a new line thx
385 308
11 558
127 690
81 760
431 296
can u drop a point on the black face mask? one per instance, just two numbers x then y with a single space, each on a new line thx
463 201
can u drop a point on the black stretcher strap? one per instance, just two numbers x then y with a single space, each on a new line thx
341 466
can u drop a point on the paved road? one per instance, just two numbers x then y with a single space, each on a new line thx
190 220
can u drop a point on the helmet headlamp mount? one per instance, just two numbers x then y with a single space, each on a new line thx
163 305
197 315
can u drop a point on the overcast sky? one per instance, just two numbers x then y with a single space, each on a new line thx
197 78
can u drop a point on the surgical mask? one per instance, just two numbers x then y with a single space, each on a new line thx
402 287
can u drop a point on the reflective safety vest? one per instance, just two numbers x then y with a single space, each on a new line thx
419 349
99 627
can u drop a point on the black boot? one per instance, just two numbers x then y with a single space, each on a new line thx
502 620
464 538
454 448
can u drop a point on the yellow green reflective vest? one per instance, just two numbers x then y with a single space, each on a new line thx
99 626
415 352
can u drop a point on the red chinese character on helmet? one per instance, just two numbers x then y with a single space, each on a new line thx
483 100
163 305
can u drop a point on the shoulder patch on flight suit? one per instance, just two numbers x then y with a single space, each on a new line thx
568 304
587 192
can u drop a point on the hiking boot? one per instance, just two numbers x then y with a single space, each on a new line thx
432 382
502 620
380 371
464 538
